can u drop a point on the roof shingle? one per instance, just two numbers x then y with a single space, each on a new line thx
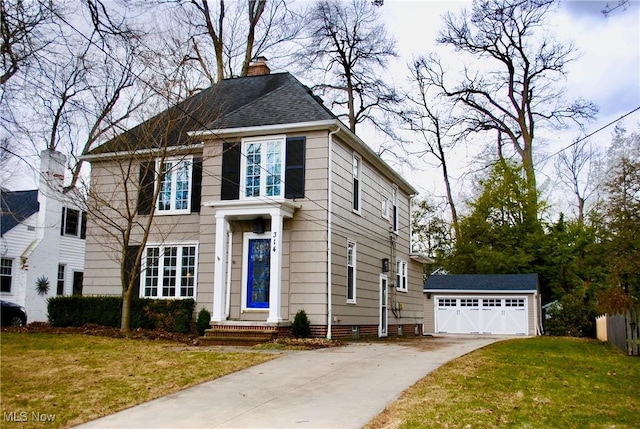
482 282
16 207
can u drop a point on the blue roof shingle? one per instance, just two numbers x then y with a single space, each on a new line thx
16 207
482 282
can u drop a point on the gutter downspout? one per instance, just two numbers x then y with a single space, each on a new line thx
329 233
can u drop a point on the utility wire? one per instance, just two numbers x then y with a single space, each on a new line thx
365 232
591 134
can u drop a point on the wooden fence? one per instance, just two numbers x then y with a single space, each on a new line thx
621 330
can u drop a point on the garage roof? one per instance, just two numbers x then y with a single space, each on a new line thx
480 283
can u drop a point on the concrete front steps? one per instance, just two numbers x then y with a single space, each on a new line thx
240 333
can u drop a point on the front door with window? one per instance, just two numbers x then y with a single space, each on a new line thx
259 273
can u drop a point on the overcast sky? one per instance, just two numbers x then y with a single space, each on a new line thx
607 73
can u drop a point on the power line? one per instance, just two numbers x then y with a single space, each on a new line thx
364 231
591 134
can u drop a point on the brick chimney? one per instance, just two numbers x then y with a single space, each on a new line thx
258 67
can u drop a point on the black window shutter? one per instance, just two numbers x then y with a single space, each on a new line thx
196 185
83 226
230 171
145 193
294 170
62 221
132 251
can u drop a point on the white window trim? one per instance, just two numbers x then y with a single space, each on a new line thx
354 246
357 177
143 270
402 275
263 182
11 276
63 279
81 214
384 206
173 210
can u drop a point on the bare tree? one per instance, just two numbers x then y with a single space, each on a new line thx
512 80
128 185
349 48
86 86
578 170
21 25
223 37
429 117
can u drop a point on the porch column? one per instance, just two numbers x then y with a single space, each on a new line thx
220 266
275 287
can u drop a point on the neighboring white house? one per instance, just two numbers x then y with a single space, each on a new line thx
42 237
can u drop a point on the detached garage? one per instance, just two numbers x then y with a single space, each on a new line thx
500 304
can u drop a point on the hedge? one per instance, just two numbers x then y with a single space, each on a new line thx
170 315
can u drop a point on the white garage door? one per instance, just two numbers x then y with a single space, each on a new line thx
475 315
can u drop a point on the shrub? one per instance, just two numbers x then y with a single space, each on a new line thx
572 317
301 328
166 314
203 321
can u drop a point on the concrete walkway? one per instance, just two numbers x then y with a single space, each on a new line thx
343 387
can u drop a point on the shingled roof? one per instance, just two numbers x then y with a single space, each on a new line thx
16 207
251 101
482 282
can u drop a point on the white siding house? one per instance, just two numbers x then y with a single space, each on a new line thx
42 237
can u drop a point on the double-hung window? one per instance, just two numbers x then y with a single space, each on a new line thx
175 186
169 271
351 272
401 275
263 167
60 285
73 223
6 266
356 172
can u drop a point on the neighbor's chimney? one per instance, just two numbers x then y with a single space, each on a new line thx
258 67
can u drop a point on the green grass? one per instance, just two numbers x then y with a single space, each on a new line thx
541 382
79 378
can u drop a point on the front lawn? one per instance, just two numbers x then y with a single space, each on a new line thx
542 382
58 380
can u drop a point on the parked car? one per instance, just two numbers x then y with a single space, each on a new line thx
12 314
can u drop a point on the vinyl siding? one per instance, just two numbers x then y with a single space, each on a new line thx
102 260
371 232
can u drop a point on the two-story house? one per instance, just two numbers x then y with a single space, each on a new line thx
268 204
42 240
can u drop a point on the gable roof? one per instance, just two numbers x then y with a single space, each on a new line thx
481 282
270 99
16 207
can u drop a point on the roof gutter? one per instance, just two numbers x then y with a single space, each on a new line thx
263 129
140 152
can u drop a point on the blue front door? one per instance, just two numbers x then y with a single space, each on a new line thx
259 273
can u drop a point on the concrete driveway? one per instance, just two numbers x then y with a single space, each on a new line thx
343 387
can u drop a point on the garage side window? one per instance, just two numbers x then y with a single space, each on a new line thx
6 266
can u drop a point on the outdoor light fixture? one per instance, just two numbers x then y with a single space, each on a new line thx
258 225
385 265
